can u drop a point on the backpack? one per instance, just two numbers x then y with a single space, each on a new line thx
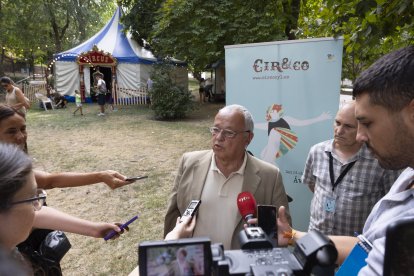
44 249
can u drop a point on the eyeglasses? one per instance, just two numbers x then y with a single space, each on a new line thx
227 133
38 201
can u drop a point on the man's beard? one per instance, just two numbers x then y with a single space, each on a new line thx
399 154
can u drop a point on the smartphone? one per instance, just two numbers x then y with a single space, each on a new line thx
123 226
192 208
136 178
266 216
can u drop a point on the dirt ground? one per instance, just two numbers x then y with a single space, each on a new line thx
131 142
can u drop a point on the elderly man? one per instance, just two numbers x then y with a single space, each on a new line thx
217 176
385 112
345 178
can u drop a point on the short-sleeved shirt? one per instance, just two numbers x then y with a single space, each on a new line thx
396 205
78 100
101 87
343 211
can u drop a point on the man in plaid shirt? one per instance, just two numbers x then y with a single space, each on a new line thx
345 178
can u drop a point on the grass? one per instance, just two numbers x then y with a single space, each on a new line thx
131 142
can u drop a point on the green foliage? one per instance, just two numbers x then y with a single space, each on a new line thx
140 18
37 29
197 31
370 28
168 100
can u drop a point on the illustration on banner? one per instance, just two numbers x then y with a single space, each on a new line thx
281 138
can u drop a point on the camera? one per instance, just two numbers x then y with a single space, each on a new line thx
258 257
196 256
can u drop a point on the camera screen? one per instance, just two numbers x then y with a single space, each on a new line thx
192 205
176 259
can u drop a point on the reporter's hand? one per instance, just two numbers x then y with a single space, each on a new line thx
252 221
282 226
183 229
114 179
103 228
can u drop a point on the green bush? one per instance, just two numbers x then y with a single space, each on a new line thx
168 100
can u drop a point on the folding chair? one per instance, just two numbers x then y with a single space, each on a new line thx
44 100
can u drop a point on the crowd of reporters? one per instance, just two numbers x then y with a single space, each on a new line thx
384 109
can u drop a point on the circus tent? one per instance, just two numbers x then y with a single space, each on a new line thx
123 62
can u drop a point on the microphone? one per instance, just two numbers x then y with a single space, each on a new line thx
247 205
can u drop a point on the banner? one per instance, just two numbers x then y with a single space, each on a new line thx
292 90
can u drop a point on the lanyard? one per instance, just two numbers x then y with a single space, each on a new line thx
341 176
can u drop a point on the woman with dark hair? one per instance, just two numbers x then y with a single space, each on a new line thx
14 96
13 131
19 197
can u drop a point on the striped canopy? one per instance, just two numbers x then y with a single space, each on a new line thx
113 40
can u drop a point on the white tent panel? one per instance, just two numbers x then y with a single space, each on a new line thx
67 77
87 81
146 70
127 75
140 51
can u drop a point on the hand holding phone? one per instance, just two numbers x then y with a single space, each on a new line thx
266 215
132 179
123 226
191 209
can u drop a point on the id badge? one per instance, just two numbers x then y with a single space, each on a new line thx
329 204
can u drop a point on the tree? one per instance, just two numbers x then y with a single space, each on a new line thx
36 29
370 28
168 100
197 31
140 18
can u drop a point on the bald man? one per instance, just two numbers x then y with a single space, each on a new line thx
218 175
345 178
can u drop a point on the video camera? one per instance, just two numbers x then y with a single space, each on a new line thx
196 256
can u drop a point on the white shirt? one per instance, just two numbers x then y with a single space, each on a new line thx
397 204
217 216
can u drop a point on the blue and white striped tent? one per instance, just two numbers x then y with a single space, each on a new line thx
133 67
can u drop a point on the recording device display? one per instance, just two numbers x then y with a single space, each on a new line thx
176 257
191 208
123 226
247 205
136 178
195 256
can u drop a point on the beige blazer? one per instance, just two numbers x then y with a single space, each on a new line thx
261 179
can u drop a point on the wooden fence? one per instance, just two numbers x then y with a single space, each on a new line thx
29 90
121 96
125 96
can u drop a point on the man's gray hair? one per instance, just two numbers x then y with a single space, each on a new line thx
248 118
